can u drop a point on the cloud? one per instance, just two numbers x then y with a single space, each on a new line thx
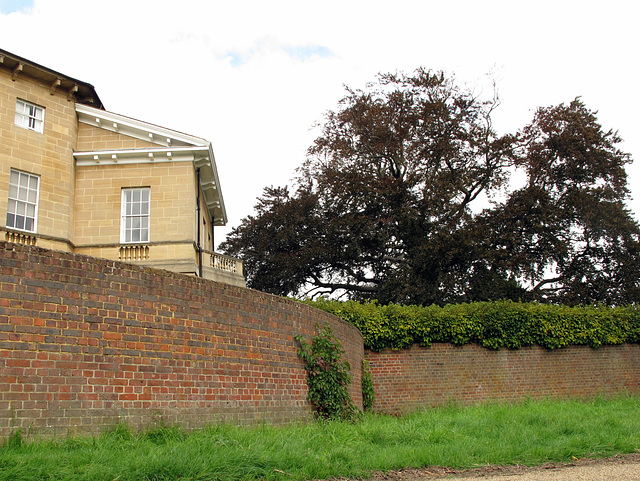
307 52
12 6
269 46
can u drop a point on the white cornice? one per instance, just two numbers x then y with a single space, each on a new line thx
172 147
140 156
136 128
210 185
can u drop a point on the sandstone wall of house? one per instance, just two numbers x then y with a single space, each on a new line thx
420 377
99 201
172 214
47 154
86 343
93 138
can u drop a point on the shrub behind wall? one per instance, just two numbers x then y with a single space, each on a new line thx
493 325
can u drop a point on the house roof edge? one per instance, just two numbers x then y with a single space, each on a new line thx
84 92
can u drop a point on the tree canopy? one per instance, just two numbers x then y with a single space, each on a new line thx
405 196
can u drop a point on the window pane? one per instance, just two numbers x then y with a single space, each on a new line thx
29 116
22 202
135 218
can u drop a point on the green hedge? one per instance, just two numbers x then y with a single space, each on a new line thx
493 325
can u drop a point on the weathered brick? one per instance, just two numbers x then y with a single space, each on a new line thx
163 358
420 377
195 352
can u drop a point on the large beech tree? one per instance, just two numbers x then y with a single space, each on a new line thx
405 197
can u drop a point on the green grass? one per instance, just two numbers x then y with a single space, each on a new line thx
528 433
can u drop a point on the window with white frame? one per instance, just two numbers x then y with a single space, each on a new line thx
22 208
135 215
29 116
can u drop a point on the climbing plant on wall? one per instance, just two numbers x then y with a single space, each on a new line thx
328 375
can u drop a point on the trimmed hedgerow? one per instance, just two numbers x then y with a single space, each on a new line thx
494 325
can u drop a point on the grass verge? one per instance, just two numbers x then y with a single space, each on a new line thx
527 433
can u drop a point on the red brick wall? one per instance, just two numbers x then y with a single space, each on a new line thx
413 378
86 343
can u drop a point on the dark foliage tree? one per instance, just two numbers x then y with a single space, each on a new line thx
279 244
388 205
567 232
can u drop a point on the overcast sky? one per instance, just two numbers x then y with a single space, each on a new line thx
254 76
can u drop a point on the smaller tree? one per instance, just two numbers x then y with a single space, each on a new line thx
567 232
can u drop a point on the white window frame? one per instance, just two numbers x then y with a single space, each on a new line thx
22 205
29 116
135 215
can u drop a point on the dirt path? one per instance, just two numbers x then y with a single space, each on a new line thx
624 467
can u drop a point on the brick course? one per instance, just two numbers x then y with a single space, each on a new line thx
420 377
87 342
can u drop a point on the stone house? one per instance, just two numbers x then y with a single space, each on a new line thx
77 178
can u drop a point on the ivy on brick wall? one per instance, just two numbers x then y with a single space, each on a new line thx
368 393
493 325
328 375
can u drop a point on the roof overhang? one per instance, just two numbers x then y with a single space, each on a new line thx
172 146
83 92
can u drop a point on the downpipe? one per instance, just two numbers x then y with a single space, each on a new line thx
198 244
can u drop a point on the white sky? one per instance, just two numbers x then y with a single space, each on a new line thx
253 76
